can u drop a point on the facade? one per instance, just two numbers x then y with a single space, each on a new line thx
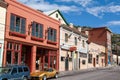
102 36
3 7
96 56
31 38
73 49
73 46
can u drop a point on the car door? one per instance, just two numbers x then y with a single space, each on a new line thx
14 74
51 72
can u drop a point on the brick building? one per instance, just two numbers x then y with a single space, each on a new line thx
102 36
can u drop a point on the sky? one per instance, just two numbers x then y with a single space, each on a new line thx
93 13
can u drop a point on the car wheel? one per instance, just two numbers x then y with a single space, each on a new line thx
56 75
44 78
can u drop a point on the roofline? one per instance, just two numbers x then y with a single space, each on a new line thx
38 12
100 28
60 15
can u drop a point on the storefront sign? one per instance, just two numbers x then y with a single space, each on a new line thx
73 48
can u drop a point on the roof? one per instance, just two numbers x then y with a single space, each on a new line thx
3 4
75 30
53 11
103 28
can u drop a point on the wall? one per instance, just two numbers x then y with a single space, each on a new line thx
96 49
2 29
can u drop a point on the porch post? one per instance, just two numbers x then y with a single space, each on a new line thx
33 58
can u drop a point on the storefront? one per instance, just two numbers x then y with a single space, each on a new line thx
46 58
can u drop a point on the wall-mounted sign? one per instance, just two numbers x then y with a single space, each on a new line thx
73 48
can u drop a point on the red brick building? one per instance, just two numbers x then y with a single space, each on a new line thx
102 36
31 38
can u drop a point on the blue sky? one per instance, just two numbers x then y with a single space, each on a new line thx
94 13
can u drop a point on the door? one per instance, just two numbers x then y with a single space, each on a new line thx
94 62
66 64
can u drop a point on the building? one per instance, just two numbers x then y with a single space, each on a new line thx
96 56
3 7
73 46
102 36
31 38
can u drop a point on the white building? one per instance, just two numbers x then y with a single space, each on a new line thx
3 6
73 46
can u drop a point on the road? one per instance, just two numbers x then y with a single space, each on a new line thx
107 74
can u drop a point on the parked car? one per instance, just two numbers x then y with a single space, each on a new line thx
43 75
14 72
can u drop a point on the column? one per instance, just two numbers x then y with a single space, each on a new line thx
72 60
33 59
4 53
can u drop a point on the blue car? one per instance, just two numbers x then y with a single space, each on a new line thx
15 72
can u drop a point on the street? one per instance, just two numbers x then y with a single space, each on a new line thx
107 74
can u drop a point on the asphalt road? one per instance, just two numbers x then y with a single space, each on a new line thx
107 74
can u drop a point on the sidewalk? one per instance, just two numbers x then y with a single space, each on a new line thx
69 73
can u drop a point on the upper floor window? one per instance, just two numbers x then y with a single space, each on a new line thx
37 30
52 34
83 43
17 24
56 15
66 37
75 40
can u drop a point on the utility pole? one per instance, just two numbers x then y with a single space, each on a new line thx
117 53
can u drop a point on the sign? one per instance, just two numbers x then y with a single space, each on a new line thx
73 48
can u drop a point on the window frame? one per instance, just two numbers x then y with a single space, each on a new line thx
53 36
13 28
40 33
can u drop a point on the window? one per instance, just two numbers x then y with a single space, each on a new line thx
56 15
37 30
83 62
14 71
83 43
97 59
17 24
13 51
90 58
25 69
75 40
52 34
62 58
20 69
66 37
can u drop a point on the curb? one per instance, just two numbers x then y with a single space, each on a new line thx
75 72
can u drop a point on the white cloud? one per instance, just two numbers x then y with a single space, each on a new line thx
46 6
113 23
83 3
100 11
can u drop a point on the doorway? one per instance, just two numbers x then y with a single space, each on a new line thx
94 62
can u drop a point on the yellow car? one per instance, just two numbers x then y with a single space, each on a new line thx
43 75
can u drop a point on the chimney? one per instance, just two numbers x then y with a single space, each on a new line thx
71 25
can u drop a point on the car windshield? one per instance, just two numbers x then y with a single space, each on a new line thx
5 70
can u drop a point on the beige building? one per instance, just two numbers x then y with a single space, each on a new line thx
96 56
3 6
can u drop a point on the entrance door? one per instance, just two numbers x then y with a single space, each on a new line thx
66 64
94 62
53 61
